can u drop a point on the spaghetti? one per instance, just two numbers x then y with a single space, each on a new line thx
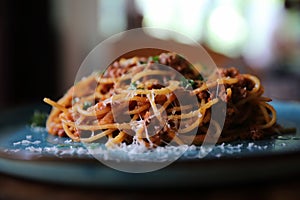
136 101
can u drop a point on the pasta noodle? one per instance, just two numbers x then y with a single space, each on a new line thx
135 101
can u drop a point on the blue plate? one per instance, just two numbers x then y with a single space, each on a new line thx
33 153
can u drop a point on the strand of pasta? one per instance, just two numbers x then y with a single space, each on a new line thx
256 82
166 90
175 137
98 136
97 127
148 73
167 103
223 80
264 112
273 112
56 105
69 133
116 140
179 108
198 121
139 109
93 112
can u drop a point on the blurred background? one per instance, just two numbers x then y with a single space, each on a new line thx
42 43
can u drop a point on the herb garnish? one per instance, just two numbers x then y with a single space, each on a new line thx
86 105
187 83
200 77
155 58
38 119
132 86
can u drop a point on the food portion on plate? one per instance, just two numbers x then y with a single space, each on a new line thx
163 99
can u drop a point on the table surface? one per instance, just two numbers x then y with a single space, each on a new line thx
18 188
